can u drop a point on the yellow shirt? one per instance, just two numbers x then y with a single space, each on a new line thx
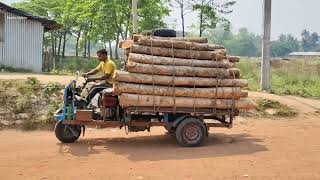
107 67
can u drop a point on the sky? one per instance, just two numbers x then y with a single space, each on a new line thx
288 16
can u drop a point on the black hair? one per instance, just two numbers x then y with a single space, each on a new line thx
103 51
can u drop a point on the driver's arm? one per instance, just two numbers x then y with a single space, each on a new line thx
92 72
104 77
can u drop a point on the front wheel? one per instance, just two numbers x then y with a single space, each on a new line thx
191 132
67 133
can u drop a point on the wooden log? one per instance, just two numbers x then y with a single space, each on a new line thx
233 59
126 44
214 92
123 76
184 71
148 59
189 39
179 53
150 41
132 100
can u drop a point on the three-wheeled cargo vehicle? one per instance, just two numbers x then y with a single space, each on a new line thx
191 126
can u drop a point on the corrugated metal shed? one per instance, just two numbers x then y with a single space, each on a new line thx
22 46
304 54
21 38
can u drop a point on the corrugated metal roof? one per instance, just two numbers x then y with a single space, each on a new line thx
48 24
304 54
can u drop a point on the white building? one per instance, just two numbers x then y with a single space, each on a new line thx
21 38
304 55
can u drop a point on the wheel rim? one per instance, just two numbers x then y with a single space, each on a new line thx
192 132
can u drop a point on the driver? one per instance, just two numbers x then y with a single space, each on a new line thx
106 67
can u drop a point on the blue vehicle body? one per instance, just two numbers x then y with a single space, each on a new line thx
62 114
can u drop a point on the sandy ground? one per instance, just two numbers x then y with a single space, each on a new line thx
271 148
41 77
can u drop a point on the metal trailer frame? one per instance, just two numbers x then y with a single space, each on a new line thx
141 118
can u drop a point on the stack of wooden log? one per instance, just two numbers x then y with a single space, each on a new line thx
180 73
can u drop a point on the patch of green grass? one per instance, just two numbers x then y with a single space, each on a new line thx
295 77
278 108
52 88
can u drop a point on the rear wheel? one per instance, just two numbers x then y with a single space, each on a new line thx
67 133
191 132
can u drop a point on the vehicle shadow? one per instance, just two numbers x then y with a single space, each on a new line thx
164 147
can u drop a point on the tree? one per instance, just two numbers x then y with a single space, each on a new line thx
152 13
94 21
211 13
185 7
284 45
244 44
310 42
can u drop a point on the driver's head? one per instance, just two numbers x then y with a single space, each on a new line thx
102 55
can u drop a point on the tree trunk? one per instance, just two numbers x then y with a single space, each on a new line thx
89 48
124 76
85 48
126 33
77 43
179 53
182 18
149 41
158 60
110 50
201 19
136 100
53 44
59 48
183 71
64 44
116 48
219 92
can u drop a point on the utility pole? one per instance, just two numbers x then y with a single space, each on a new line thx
135 16
266 46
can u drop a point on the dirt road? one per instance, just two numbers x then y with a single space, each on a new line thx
62 79
254 149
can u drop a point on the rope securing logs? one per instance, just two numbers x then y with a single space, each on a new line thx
181 73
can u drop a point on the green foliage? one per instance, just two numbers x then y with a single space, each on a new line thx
298 77
49 116
93 21
52 88
210 13
33 83
284 45
280 109
310 42
241 44
152 17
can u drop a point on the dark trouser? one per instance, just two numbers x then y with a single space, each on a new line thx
97 89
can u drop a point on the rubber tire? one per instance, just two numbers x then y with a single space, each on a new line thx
66 137
164 33
182 139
